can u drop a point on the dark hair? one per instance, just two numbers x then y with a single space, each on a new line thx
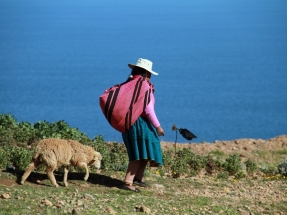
137 71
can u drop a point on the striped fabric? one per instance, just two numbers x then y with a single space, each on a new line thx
142 142
122 104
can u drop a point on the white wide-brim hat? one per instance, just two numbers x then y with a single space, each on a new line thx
145 64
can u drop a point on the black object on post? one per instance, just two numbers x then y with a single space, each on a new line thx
184 132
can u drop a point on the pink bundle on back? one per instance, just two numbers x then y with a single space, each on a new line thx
122 104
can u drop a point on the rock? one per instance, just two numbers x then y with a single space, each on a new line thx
75 211
46 202
61 203
144 209
89 197
80 203
244 213
58 205
159 186
5 196
111 211
226 190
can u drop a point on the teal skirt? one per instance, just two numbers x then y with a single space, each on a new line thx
142 142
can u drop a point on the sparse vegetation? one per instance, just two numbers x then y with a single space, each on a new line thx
185 175
251 166
282 168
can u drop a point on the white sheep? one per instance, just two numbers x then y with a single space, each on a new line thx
53 152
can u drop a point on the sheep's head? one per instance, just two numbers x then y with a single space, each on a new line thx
97 160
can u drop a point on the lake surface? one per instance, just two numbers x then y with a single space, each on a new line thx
222 64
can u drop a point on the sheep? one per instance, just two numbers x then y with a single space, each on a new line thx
53 152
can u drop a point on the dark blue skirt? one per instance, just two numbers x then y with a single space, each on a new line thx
142 142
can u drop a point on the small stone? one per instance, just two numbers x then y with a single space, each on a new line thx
111 211
6 196
89 197
145 209
76 211
61 203
58 205
46 202
245 213
80 203
159 186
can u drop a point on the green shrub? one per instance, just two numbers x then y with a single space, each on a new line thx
7 125
59 129
168 161
8 121
197 163
99 145
168 158
6 137
185 162
4 157
178 168
179 164
232 164
212 164
282 168
15 156
222 175
24 134
240 175
251 166
217 153
20 157
193 161
118 157
269 170
114 154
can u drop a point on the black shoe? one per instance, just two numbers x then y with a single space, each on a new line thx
140 183
125 187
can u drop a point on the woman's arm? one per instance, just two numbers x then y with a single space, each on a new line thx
149 113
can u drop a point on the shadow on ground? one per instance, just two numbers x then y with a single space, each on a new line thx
94 178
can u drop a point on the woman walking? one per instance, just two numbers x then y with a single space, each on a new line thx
142 138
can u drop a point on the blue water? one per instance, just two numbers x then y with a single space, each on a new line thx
222 64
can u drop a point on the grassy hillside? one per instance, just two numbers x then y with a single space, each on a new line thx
243 176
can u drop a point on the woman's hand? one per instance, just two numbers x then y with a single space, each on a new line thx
160 131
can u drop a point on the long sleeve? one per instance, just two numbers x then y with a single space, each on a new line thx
149 112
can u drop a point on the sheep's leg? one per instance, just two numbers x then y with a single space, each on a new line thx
34 164
66 176
85 166
50 173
